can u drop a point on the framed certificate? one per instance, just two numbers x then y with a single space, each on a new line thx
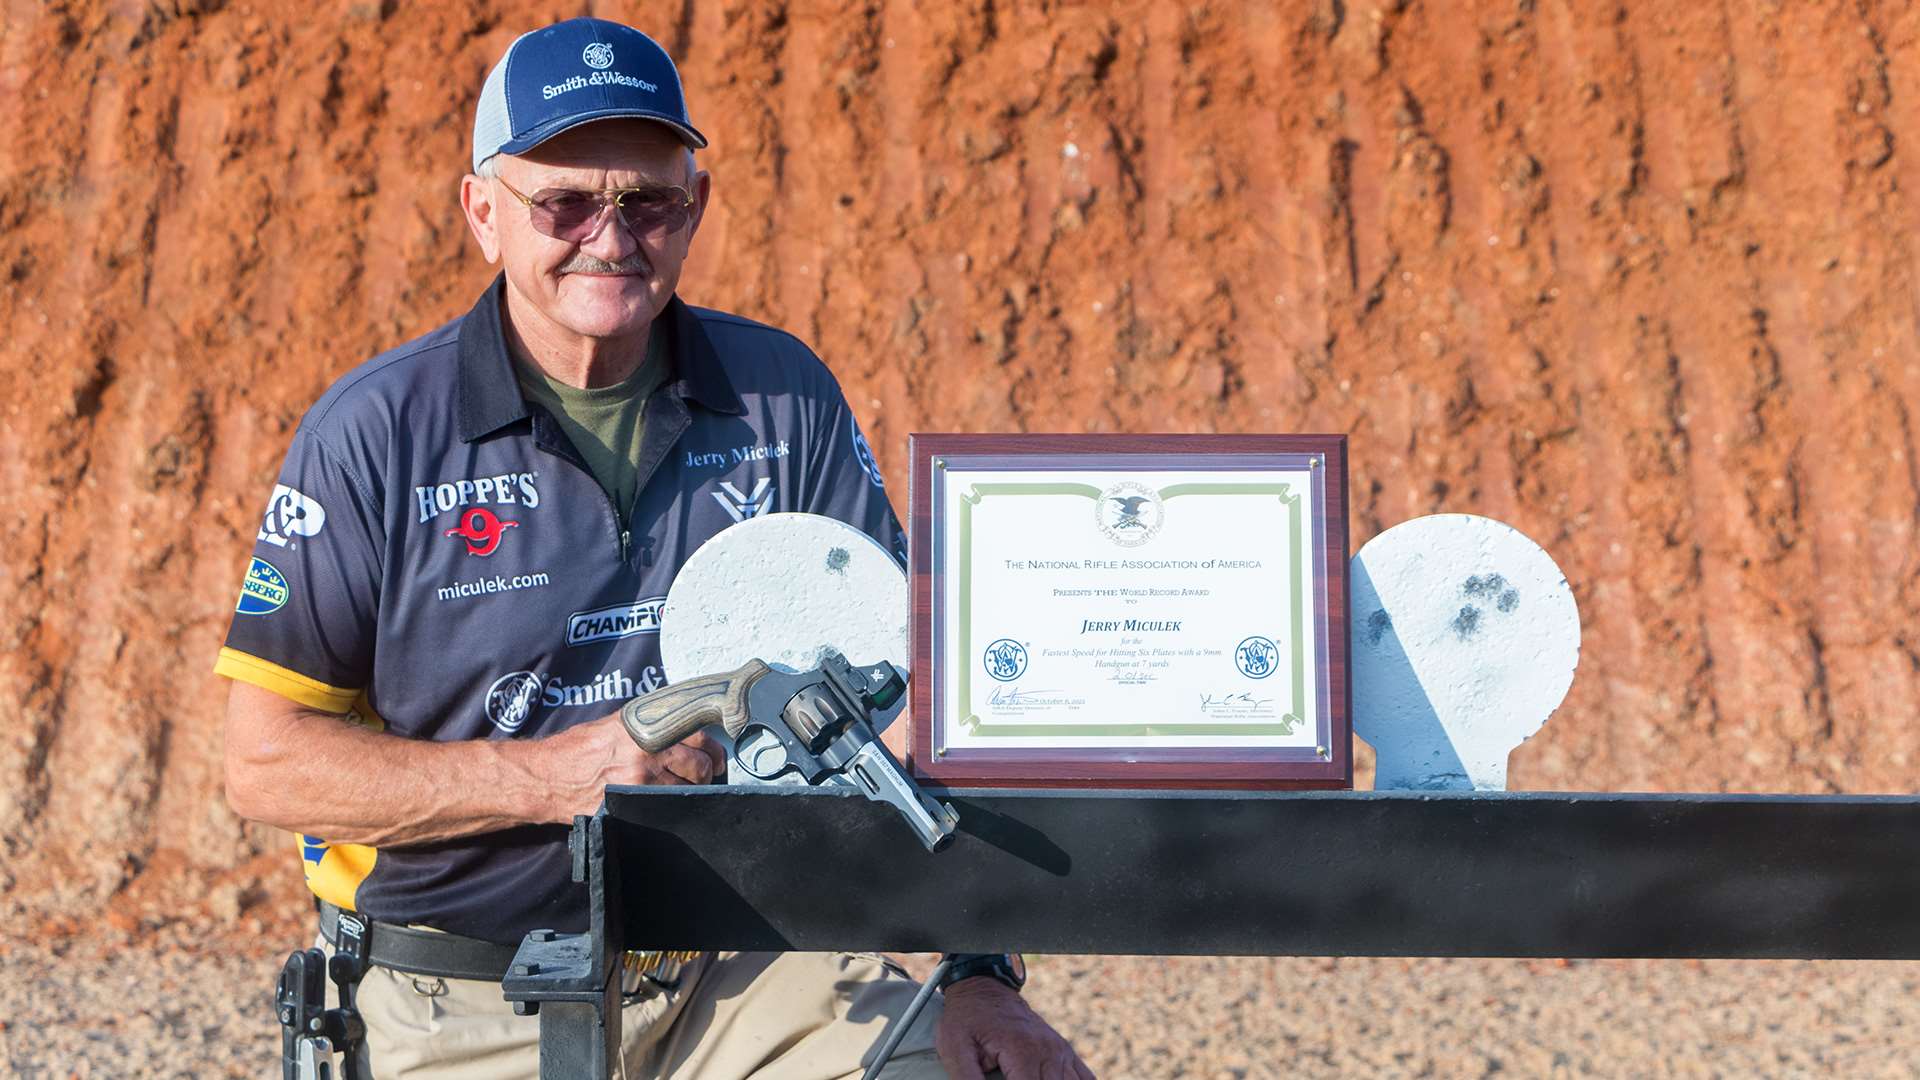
1130 611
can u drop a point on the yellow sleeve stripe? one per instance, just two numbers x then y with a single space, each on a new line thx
362 713
289 684
335 871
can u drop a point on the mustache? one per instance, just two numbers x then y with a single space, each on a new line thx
583 263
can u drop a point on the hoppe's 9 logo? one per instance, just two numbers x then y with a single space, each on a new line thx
598 56
481 529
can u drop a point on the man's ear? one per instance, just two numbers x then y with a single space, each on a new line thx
702 191
476 200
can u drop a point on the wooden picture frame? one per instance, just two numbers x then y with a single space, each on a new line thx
1292 491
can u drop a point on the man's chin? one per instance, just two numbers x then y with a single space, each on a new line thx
605 305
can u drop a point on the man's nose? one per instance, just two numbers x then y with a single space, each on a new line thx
613 240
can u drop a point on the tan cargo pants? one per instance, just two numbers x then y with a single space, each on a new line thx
764 1016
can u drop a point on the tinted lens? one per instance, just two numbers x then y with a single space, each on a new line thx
565 214
654 209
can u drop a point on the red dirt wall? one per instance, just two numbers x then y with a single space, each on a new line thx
1635 278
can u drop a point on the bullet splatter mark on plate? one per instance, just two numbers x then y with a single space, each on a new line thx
1467 623
1494 588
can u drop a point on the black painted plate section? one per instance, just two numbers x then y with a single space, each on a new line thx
1285 873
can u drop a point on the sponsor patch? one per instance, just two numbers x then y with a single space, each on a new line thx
741 506
863 453
481 529
290 514
265 589
607 686
518 489
598 78
618 621
513 696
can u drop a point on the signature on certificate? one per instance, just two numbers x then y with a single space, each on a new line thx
1240 700
1015 696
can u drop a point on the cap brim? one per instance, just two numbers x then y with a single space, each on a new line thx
526 141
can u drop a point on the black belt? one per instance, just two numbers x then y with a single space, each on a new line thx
423 952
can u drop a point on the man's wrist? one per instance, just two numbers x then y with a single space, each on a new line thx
979 986
537 789
1008 970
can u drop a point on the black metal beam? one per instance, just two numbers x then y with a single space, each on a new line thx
1306 873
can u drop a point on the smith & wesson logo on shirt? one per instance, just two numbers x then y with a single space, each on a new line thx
513 697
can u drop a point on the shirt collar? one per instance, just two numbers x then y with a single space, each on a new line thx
490 397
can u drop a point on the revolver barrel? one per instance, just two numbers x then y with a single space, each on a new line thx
874 770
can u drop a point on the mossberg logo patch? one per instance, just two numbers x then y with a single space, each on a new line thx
618 621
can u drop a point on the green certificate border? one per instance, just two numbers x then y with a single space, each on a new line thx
976 493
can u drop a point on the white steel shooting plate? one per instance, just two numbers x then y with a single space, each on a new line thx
1465 639
786 589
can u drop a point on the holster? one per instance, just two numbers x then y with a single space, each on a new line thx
311 1033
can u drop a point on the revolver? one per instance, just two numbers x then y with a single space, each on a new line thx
813 723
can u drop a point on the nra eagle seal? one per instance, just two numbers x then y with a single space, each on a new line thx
1006 660
511 698
1130 514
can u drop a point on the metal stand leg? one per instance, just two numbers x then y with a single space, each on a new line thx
906 1020
555 976
572 981
576 1041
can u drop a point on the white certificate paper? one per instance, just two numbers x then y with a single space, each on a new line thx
1082 609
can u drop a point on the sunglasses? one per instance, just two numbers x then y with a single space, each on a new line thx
575 216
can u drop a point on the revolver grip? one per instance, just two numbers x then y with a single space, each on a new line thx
671 713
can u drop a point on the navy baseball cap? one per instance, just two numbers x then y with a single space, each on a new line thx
572 73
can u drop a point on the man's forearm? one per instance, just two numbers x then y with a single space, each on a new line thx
307 771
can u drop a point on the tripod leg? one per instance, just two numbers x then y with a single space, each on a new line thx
906 1020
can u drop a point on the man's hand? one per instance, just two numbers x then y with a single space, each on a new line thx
988 1025
588 757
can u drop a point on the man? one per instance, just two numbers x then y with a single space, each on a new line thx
465 555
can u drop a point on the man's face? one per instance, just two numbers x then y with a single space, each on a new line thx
616 281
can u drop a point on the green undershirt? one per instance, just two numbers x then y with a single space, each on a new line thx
604 423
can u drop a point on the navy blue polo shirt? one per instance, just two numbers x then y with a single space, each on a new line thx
437 561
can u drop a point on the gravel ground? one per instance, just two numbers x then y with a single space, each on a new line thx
166 1011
